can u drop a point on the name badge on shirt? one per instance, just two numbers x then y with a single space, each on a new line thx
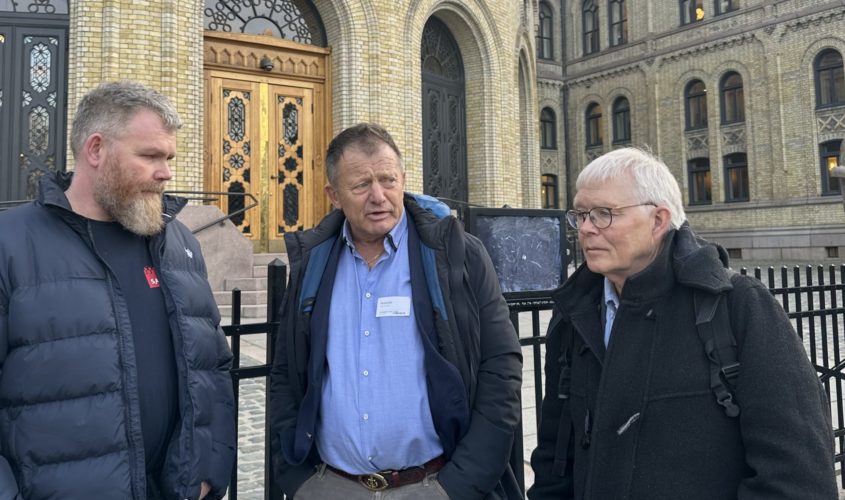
393 306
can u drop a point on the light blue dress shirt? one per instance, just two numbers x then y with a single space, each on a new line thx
375 413
611 300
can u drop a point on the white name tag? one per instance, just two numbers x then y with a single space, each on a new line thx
393 306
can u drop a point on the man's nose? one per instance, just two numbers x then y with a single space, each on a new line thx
163 173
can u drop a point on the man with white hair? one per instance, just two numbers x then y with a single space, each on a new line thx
668 376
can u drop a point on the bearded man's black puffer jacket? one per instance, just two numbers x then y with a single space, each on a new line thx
69 411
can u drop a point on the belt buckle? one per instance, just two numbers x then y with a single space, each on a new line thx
373 482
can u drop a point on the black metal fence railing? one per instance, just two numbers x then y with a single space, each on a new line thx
210 196
812 296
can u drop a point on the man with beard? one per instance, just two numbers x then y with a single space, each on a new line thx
114 373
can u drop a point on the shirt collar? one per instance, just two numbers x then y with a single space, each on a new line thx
391 241
610 295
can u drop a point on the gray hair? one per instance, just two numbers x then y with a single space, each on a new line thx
109 107
368 137
652 180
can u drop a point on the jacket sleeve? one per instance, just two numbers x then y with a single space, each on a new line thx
785 417
284 403
8 484
549 485
481 457
223 431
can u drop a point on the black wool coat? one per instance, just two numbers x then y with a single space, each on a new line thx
639 421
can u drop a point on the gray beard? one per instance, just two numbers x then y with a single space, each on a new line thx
138 212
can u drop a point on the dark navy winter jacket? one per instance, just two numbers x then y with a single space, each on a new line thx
69 411
472 359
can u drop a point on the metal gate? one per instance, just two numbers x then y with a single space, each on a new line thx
444 115
33 88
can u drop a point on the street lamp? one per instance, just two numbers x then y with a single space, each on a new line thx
839 173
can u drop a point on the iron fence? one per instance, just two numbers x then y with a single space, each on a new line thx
812 296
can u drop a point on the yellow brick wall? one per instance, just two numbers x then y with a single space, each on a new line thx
155 42
375 70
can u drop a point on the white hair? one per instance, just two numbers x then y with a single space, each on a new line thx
652 182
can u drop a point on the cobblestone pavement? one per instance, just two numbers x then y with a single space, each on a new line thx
252 399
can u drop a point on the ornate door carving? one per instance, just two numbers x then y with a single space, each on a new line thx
33 88
444 114
266 134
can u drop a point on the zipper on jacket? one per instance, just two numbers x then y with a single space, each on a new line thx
135 448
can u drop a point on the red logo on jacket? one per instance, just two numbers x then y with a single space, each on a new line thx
152 279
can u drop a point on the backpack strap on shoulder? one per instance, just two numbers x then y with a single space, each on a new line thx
719 346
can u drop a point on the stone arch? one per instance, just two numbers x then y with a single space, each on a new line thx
474 32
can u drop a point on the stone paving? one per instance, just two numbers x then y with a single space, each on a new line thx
252 401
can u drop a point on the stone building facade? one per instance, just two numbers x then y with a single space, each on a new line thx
370 60
743 99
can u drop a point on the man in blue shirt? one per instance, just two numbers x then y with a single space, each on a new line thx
397 367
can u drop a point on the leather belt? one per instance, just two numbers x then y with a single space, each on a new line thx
385 479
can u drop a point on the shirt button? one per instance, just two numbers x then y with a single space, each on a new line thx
368 295
366 333
366 372
366 416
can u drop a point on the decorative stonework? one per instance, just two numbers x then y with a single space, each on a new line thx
830 121
814 21
733 138
610 74
707 48
593 153
698 144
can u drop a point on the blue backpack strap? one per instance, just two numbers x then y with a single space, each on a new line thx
719 346
313 274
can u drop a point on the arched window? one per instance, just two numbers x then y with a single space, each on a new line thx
594 125
590 24
545 33
692 11
621 121
725 6
548 129
830 84
736 177
618 22
733 100
699 181
696 105
829 156
548 191
295 20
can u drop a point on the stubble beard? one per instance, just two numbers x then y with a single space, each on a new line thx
137 207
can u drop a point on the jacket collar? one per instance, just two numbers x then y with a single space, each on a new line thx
52 193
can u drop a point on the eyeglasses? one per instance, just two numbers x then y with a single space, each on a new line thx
601 217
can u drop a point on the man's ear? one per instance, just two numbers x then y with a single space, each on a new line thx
332 194
93 150
662 221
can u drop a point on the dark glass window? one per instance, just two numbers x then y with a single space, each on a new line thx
830 83
725 6
548 129
545 35
594 125
590 23
733 100
696 105
692 11
548 191
699 181
736 177
829 153
618 22
621 121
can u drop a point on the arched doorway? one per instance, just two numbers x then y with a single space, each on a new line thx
444 115
33 93
267 119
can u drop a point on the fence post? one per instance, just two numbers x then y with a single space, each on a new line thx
276 284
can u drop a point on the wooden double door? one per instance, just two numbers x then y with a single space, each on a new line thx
265 138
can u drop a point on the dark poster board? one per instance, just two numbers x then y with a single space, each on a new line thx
527 246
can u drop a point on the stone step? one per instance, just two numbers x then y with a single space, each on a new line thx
251 311
245 284
248 298
262 259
